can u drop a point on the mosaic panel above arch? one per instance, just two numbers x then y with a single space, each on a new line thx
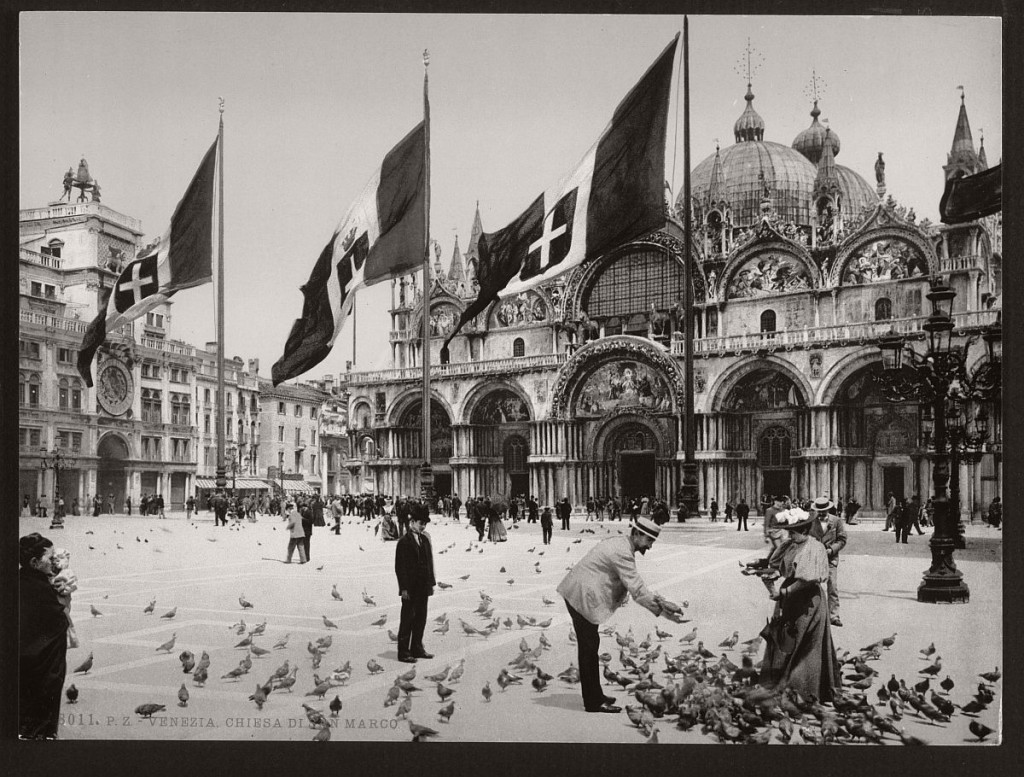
443 318
520 310
768 273
617 375
501 406
883 259
763 389
440 427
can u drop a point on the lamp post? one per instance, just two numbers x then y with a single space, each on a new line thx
56 460
233 453
940 381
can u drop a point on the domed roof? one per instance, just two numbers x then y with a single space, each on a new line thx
857 192
750 125
788 174
811 141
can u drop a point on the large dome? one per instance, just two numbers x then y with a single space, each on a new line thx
789 176
787 173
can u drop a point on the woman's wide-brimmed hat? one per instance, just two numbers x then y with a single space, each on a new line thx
793 519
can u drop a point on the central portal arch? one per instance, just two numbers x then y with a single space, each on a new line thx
630 447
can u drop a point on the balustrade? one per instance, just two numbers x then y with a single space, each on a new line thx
43 260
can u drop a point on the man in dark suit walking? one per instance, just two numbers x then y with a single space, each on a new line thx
742 511
564 510
414 567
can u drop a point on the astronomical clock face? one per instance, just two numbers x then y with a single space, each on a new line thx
115 387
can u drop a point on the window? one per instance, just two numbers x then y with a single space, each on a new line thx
28 349
66 356
150 370
228 396
883 309
298 438
50 292
298 461
206 423
312 412
63 395
298 411
53 249
180 409
280 434
179 375
154 319
768 321
280 408
253 408
152 408
208 456
312 462
37 289
206 396
712 314
69 440
312 437
151 448
30 437
179 449
775 448
76 394
33 390
518 347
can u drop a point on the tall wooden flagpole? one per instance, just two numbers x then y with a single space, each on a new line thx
221 469
426 472
690 483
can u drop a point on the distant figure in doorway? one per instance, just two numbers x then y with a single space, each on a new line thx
160 505
564 510
995 513
128 504
890 509
901 520
190 507
851 510
713 510
546 523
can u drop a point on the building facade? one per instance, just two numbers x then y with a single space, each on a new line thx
289 453
576 388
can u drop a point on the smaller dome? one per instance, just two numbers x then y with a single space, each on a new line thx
811 141
750 125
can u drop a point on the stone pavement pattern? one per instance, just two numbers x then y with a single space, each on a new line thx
125 563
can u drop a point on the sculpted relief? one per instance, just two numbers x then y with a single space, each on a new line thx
525 308
884 260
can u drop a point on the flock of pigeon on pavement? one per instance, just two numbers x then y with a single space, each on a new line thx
696 689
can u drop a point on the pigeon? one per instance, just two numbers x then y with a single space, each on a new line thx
505 679
973 707
329 623
443 586
947 684
419 733
324 642
539 683
369 600
183 696
991 677
380 621
320 690
335 706
258 651
286 683
888 642
730 642
392 636
392 696
148 710
522 621
407 687
334 593
169 644
204 661
979 729
258 629
445 713
934 669
199 676
438 677
442 629
72 694
234 674
928 651
94 611
246 605
404 708
315 717
689 637
444 692
486 691
374 667
323 735
244 643
170 613
188 664
464 577
281 671
442 618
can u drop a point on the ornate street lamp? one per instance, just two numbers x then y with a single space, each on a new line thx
940 382
232 452
56 460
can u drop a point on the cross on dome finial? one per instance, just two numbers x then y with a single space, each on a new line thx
816 87
961 88
749 63
426 58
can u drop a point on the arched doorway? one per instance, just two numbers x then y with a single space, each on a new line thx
440 441
515 453
111 472
633 447
774 449
499 430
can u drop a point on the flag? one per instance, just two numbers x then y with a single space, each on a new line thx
614 195
180 259
381 237
972 197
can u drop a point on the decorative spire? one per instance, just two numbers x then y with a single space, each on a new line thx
982 158
750 125
456 273
826 182
473 252
962 154
717 191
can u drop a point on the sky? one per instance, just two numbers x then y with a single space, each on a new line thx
313 102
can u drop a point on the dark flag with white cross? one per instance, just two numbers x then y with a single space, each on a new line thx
180 259
614 195
381 237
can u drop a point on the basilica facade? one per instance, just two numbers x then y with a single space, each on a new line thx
575 389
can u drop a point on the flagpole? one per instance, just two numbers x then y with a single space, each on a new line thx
221 481
690 483
426 473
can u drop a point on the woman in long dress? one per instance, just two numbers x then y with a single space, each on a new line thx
496 529
799 653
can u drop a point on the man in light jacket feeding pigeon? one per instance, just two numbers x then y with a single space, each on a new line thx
599 584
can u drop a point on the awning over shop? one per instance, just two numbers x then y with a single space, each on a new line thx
244 483
298 486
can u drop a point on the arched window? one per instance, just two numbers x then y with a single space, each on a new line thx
883 309
33 390
369 449
63 394
768 321
775 447
76 394
252 405
515 455
152 407
518 347
632 282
